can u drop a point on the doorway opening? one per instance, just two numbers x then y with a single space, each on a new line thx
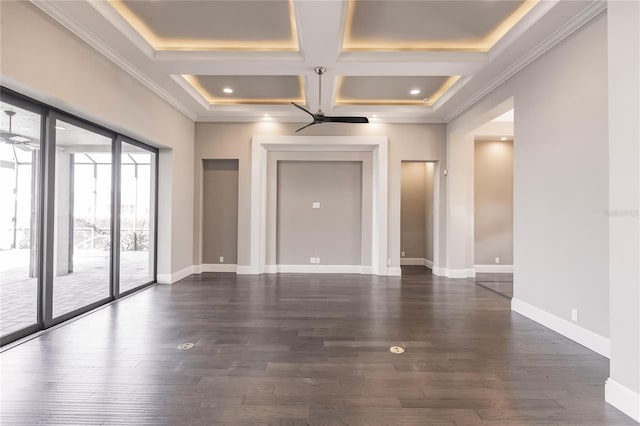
220 215
417 217
493 205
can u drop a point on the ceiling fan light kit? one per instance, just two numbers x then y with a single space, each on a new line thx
319 117
17 140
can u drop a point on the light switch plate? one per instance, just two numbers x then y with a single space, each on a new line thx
315 205
221 259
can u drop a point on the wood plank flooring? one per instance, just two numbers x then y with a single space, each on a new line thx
306 349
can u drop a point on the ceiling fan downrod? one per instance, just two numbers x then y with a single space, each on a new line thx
319 71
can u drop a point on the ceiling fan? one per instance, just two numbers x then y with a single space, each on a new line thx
17 140
319 117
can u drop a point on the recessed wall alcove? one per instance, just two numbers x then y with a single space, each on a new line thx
323 148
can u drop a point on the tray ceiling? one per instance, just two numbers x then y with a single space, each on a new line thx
234 89
375 52
431 25
212 25
384 90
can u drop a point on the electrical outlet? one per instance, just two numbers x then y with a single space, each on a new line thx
574 315
221 259
402 253
497 260
315 205
312 260
317 260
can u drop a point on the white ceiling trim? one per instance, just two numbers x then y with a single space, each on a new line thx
52 10
584 17
111 15
191 91
533 16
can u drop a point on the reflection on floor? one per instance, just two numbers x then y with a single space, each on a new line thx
501 284
89 283
296 349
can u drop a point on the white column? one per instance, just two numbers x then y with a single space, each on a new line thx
623 385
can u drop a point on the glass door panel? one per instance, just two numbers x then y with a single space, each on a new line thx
82 230
20 143
137 216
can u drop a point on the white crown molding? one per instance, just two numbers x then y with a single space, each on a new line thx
452 91
191 91
586 338
51 9
584 17
533 16
115 19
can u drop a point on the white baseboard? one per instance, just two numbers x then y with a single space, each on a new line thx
441 272
315 269
176 276
494 269
623 398
216 267
247 270
394 271
413 261
456 273
367 270
416 261
586 338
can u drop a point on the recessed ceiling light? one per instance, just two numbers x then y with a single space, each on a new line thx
415 91
374 115
227 90
266 115
504 138
59 128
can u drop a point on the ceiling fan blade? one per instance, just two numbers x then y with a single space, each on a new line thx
24 147
303 109
305 126
346 120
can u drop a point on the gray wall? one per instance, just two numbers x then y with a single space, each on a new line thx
363 158
561 194
332 232
429 176
220 211
413 204
81 80
624 197
417 142
493 202
416 209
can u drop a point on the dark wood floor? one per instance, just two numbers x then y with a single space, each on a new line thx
306 349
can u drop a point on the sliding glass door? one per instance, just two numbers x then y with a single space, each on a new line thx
20 195
77 216
82 227
137 216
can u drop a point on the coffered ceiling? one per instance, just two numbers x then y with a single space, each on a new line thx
405 61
